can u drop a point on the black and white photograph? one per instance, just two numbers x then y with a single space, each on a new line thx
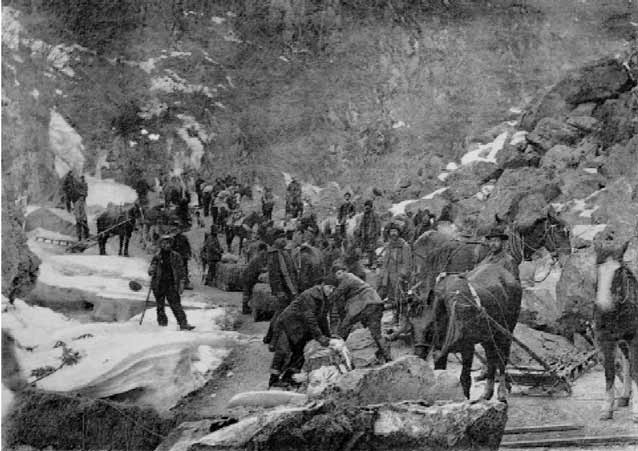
319 225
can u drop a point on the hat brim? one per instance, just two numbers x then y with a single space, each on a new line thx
502 236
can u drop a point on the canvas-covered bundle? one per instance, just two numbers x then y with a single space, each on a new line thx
229 276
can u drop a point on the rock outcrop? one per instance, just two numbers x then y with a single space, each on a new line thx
407 378
402 426
20 266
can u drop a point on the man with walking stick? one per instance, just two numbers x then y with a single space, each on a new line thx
167 282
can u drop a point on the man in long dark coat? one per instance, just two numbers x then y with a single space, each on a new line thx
305 319
283 280
167 282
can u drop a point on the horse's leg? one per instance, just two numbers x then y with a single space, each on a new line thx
121 237
623 353
127 239
467 356
633 373
102 243
608 351
492 357
229 239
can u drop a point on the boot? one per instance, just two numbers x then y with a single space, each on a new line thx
245 307
287 379
274 379
186 327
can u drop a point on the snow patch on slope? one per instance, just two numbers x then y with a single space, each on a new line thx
485 152
102 192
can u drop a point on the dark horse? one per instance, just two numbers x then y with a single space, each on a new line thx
436 253
616 323
457 319
117 221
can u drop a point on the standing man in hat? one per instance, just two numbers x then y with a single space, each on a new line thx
397 265
368 232
498 254
167 282
267 204
357 302
346 211
79 209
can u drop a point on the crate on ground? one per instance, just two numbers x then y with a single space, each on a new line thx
229 276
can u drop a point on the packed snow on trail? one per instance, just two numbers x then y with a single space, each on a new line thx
159 364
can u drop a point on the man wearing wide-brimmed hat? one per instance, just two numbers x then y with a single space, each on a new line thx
496 240
167 282
397 262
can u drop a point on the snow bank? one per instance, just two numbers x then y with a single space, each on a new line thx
399 208
66 145
485 152
105 191
161 364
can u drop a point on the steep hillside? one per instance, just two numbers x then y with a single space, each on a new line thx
366 93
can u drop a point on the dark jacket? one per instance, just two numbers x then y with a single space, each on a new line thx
212 250
310 311
310 267
352 295
346 211
282 274
177 265
267 201
369 229
182 246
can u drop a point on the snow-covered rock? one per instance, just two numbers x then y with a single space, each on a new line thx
108 191
157 365
66 145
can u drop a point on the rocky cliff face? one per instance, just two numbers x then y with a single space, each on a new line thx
330 90
19 264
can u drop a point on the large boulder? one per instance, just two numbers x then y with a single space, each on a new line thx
402 426
550 132
20 266
518 156
539 307
578 184
617 206
617 118
407 378
467 180
621 160
595 82
520 194
561 157
576 291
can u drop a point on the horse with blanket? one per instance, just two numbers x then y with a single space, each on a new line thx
616 321
432 302
117 221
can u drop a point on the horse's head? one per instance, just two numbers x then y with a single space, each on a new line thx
548 231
